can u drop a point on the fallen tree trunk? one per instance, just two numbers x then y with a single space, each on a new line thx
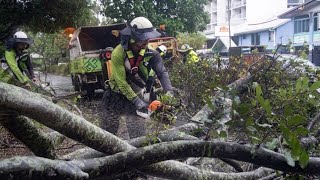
169 135
39 168
26 131
68 124
137 158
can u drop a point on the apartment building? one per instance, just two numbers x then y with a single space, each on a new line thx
242 15
241 11
294 3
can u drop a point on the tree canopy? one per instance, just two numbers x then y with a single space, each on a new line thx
41 15
182 15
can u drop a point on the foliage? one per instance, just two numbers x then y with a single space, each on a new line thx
179 16
275 110
50 46
42 16
195 40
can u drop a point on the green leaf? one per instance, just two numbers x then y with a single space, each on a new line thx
285 131
249 121
305 83
298 85
288 111
258 90
295 146
303 159
209 102
243 109
273 144
302 131
315 86
295 120
267 106
289 158
223 134
282 92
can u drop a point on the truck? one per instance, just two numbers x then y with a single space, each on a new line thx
90 54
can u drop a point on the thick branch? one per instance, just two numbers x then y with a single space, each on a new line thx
25 130
39 168
121 162
68 124
164 136
313 121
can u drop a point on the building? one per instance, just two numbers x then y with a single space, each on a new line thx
251 22
294 3
305 25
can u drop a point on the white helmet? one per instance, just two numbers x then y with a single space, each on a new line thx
163 48
21 37
20 34
185 48
140 29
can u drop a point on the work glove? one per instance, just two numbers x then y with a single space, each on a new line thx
139 103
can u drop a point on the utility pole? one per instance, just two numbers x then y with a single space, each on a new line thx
229 23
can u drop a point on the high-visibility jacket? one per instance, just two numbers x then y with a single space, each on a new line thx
120 76
191 57
9 68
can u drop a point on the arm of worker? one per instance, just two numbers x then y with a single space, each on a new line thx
11 60
30 67
161 72
119 75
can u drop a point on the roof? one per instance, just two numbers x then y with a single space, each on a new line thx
250 28
292 12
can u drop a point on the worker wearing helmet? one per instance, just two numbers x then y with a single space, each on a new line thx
131 62
189 56
162 49
16 60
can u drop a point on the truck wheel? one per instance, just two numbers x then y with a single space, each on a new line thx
76 85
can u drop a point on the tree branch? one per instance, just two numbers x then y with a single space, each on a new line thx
26 131
68 124
144 156
39 168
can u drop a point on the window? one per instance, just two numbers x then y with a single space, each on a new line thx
244 36
301 24
271 36
255 39
315 22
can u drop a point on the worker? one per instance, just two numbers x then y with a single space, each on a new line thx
131 62
162 49
16 61
188 55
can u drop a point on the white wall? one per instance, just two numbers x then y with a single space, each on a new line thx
222 12
259 10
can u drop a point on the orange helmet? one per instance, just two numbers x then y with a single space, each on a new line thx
154 105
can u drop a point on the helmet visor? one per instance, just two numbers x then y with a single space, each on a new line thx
24 40
141 34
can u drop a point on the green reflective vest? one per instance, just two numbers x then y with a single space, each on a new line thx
9 69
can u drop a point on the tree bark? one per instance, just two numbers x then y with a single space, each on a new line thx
173 134
121 162
68 124
39 168
26 131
